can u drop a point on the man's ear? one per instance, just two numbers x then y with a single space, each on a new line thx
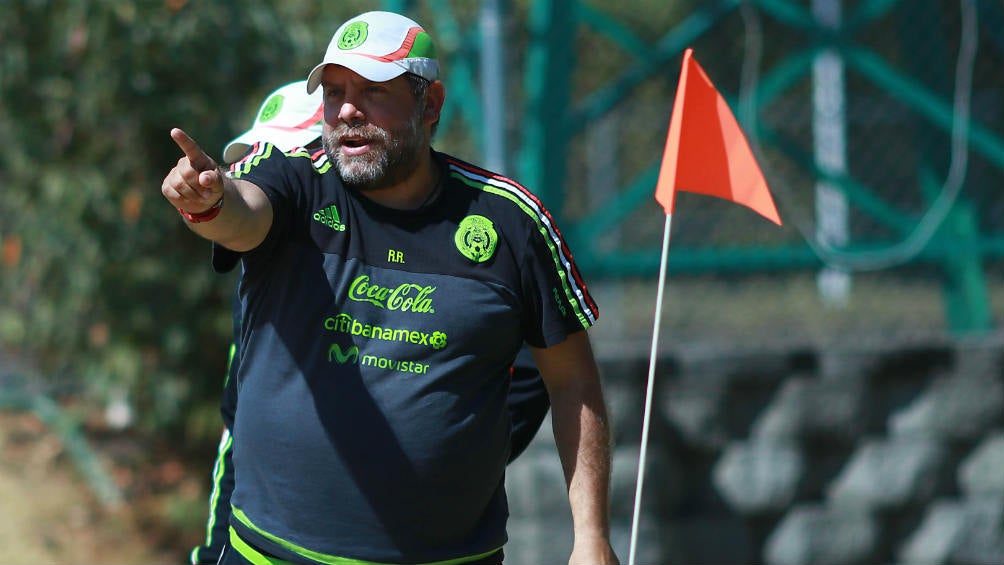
434 98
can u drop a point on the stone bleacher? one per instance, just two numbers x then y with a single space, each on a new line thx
838 456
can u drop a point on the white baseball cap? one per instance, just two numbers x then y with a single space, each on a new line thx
379 46
289 117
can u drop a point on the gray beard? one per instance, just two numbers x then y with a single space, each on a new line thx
394 157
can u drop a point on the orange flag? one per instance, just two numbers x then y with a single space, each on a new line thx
706 152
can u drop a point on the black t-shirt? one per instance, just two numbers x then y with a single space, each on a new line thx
375 354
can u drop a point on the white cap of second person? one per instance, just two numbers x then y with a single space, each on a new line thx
289 117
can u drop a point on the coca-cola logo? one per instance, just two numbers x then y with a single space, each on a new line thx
406 297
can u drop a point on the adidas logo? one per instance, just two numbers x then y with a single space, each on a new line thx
329 217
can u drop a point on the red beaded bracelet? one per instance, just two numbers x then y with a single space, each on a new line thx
205 215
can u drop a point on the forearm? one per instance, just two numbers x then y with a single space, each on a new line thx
579 422
243 219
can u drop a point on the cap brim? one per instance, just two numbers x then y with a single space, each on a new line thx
369 69
283 138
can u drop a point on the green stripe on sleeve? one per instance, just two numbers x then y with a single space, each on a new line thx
555 254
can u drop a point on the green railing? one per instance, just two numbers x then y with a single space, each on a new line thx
923 89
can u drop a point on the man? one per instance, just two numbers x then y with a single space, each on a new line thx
386 290
291 118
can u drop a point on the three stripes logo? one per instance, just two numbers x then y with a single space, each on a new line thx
329 217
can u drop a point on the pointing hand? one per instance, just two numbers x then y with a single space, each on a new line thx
195 184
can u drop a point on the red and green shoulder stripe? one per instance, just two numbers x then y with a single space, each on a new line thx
261 151
574 287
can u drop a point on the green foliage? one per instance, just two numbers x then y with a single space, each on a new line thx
103 287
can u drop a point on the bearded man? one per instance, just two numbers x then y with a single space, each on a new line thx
387 288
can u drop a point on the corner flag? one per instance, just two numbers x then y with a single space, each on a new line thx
706 151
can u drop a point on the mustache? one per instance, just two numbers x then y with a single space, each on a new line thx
365 131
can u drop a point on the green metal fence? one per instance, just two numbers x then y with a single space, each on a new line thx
878 124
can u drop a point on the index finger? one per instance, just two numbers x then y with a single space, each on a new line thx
196 156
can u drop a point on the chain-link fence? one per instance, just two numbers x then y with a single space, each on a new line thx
877 125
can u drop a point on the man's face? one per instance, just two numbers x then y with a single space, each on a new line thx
374 132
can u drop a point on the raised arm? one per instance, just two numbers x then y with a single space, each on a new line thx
579 421
234 213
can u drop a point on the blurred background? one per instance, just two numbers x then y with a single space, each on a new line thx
829 391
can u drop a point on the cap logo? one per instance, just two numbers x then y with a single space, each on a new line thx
354 35
271 108
476 238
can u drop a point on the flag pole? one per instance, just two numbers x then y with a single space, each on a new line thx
705 152
649 389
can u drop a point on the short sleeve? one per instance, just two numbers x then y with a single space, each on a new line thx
272 171
558 302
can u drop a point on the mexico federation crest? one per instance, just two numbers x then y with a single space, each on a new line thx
271 108
353 36
476 238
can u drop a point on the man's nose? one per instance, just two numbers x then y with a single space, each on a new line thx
350 114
